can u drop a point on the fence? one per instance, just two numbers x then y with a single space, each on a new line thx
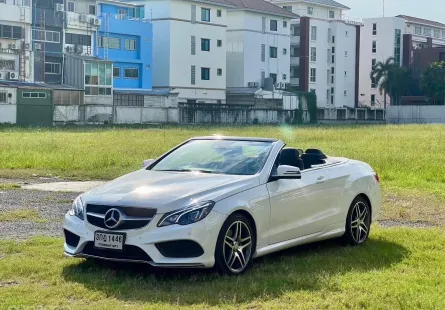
415 114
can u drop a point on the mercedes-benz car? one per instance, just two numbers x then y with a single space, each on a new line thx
221 202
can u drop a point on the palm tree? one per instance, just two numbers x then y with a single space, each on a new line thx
380 73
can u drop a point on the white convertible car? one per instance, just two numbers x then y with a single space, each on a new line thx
223 201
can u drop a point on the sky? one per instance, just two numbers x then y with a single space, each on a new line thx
427 9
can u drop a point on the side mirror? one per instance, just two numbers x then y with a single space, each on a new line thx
147 163
287 173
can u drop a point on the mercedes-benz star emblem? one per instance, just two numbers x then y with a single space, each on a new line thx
113 218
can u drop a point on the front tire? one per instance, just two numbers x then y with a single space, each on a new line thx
358 222
235 245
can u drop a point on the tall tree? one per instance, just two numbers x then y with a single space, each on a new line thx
380 74
432 82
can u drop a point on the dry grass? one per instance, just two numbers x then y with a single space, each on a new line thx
22 214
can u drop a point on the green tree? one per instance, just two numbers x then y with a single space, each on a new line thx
380 74
401 83
432 82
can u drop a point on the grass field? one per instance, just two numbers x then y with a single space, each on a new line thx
409 156
399 268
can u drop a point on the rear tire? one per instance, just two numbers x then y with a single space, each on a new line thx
235 245
358 222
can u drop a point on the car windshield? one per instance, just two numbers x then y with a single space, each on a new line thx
217 156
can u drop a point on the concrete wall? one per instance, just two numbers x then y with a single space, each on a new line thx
8 113
140 115
415 114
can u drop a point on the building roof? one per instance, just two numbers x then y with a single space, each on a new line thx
225 3
120 3
17 84
262 6
242 90
88 58
421 21
329 3
148 92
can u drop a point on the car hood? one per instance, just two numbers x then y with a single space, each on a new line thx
168 191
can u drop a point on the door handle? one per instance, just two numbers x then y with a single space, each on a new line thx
321 180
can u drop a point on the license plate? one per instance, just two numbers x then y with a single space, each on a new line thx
109 241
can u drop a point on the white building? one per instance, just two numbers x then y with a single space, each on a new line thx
189 48
396 37
323 51
258 44
81 25
16 61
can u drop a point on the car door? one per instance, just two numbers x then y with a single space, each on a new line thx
298 207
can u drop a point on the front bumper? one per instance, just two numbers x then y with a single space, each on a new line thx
205 233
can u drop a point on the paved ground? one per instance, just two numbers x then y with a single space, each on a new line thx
52 198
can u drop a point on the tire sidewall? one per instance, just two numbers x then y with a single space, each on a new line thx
220 262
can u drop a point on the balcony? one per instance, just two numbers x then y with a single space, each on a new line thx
51 17
295 40
11 12
81 21
323 14
295 81
295 61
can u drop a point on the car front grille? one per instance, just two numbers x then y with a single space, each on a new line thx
129 252
132 217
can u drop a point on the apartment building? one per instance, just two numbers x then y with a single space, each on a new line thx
47 38
125 37
258 44
398 37
324 51
189 53
16 61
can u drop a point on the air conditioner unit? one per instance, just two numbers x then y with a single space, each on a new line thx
284 76
27 46
2 75
59 7
282 86
12 46
70 49
96 21
83 18
13 76
252 84
256 84
37 46
79 49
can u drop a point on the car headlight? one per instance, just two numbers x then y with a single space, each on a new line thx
77 208
192 214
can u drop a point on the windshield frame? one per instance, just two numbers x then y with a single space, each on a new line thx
271 141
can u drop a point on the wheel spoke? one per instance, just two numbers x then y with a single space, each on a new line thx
241 258
358 234
354 224
364 228
364 214
232 259
237 231
230 245
246 241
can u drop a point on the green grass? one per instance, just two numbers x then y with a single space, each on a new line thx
22 214
4 186
408 156
396 269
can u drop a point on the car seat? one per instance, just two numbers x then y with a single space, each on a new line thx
291 157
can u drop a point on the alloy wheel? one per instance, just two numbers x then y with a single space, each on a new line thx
237 247
360 222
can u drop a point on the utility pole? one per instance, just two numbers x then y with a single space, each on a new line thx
383 8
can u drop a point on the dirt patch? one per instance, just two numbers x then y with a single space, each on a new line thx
8 283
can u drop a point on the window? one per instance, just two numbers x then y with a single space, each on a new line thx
333 70
374 47
346 73
313 54
436 33
332 79
273 52
331 14
7 64
205 45
288 8
7 31
273 25
80 39
11 32
131 73
294 51
92 9
294 72
313 75
314 33
70 7
418 30
116 72
372 99
397 46
332 90
33 95
333 50
47 36
310 10
346 53
284 51
193 75
373 82
128 100
130 44
373 62
193 45
427 31
112 43
333 59
205 15
219 72
205 74
263 52
374 29
98 78
443 34
345 93
122 14
333 39
52 68
346 33
273 76
219 43
295 30
284 24
3 96
312 90
218 13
